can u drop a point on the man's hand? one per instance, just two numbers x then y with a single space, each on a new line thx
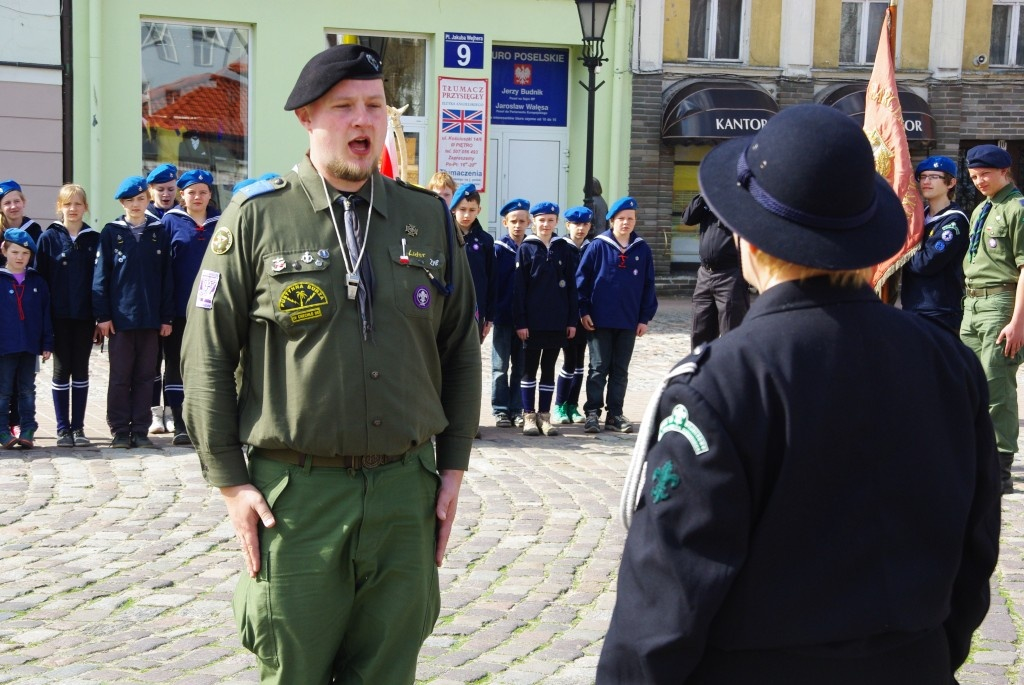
523 333
105 329
1013 334
570 332
641 329
246 509
165 330
587 322
447 503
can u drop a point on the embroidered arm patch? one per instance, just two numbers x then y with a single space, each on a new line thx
679 421
664 478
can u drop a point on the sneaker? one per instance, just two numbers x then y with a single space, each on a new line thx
65 438
573 412
141 440
544 424
7 440
121 441
558 414
530 426
518 421
619 423
80 439
26 439
181 438
169 420
593 423
501 420
158 426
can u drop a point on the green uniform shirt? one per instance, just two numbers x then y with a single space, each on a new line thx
1001 248
271 302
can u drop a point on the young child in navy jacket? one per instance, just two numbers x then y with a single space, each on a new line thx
67 257
570 377
546 313
25 321
507 348
615 280
465 208
132 298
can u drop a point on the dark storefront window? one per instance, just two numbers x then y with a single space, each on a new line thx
195 100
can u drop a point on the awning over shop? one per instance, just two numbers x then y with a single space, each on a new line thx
850 99
693 111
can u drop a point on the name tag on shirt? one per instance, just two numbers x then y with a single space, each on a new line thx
208 282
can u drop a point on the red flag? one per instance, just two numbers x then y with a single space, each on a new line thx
389 156
883 124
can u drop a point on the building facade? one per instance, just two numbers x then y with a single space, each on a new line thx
490 91
728 65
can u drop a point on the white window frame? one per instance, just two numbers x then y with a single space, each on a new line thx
863 32
711 36
1014 38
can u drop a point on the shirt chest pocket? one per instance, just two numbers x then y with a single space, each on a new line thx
414 275
301 291
996 235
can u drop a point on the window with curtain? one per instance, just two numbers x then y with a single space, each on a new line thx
859 30
716 29
1007 47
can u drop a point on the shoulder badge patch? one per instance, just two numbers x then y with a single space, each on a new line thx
222 241
664 479
679 422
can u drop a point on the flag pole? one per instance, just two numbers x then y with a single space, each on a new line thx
892 28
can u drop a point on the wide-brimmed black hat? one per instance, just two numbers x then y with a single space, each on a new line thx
325 69
804 189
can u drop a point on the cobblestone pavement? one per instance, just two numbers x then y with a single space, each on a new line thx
118 566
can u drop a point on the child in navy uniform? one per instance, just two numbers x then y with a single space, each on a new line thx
67 255
545 313
616 290
25 317
163 197
507 348
570 377
465 208
189 227
132 297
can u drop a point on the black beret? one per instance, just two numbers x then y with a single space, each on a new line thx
331 66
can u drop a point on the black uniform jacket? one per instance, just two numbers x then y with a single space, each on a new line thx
821 505
716 247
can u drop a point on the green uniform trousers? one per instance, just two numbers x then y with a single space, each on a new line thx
983 318
348 589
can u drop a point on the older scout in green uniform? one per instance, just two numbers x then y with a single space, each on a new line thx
346 305
993 324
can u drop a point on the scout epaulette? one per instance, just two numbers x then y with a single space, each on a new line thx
258 188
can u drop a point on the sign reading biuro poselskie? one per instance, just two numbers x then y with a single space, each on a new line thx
530 86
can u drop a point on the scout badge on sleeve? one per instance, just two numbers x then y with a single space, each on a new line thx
664 479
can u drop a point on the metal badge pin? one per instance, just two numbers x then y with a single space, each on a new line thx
297 266
318 262
353 285
404 258
323 254
278 264
307 258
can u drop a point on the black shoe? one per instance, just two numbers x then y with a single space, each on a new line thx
181 438
593 423
121 441
65 438
619 424
141 440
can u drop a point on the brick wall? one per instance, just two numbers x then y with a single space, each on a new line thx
995 110
946 101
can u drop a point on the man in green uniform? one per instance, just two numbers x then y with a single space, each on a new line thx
993 323
344 306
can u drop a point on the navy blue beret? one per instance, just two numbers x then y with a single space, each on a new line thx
130 187
327 68
7 186
579 215
190 178
461 193
544 208
515 206
620 204
943 164
20 237
162 174
988 157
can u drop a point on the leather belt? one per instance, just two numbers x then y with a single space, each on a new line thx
718 267
994 290
366 461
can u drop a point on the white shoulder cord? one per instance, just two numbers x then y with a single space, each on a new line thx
352 267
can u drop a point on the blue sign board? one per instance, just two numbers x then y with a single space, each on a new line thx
463 50
529 86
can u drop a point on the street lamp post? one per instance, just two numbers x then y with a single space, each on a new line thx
593 20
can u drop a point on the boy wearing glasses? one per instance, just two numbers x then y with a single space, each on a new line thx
933 279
